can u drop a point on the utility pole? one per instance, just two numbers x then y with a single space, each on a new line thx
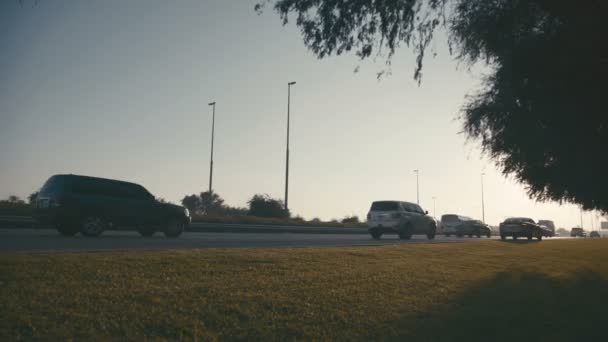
287 150
212 138
417 187
483 205
434 207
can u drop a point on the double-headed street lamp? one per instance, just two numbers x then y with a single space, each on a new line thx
212 136
287 150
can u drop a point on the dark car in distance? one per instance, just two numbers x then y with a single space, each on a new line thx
578 232
473 228
90 205
549 225
517 227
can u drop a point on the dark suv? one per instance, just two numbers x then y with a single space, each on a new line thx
91 205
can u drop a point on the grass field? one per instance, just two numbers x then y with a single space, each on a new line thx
479 291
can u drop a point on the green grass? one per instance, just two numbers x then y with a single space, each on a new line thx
482 291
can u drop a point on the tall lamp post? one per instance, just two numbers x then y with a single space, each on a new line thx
434 207
483 205
212 138
417 187
287 150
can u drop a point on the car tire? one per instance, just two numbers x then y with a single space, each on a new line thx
432 231
489 235
67 229
459 235
470 236
174 228
376 235
146 232
530 237
503 237
92 226
540 237
514 237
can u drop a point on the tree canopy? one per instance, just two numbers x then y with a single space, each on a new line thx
540 114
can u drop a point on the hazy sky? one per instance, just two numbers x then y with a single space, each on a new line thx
119 89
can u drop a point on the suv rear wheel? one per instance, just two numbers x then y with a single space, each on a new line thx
174 228
92 226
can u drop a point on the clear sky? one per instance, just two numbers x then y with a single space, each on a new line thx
119 89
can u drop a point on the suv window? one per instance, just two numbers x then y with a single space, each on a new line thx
136 191
411 207
519 220
450 218
385 206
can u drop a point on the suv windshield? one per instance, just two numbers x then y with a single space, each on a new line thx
53 185
519 220
385 206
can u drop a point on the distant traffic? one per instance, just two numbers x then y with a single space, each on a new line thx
88 205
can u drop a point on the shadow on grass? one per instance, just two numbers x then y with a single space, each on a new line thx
517 306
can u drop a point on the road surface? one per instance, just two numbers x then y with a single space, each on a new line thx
50 240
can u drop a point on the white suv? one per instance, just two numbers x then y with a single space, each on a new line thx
403 218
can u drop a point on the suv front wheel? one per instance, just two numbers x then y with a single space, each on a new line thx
174 228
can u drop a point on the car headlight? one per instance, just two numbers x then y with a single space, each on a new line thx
186 212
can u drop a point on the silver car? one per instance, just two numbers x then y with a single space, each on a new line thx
403 218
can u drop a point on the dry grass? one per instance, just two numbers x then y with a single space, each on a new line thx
486 291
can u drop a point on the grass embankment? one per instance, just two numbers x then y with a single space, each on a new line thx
483 291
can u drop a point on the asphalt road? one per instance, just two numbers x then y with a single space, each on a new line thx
50 240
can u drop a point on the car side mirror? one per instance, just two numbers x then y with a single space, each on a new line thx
426 212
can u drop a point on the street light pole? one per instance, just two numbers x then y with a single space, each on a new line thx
287 150
483 205
434 207
417 187
212 138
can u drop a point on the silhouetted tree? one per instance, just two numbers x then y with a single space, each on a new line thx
192 203
350 219
540 114
266 206
211 203
15 199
